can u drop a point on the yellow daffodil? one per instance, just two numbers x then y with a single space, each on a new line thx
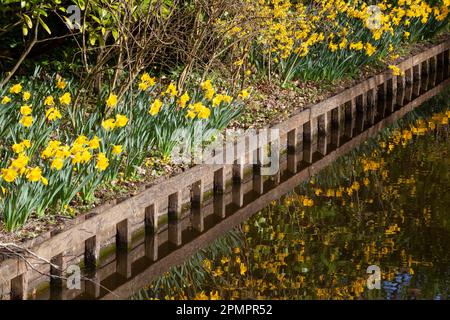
26 110
49 101
26 121
57 164
60 83
395 70
65 99
183 100
155 107
172 90
6 100
111 102
204 113
109 124
117 149
94 143
146 82
244 94
16 89
9 175
121 120
53 114
102 162
34 174
26 96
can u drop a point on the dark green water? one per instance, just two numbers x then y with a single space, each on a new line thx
386 204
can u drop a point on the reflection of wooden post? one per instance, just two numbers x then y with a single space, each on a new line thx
219 206
151 247
175 235
19 287
123 263
198 219
336 136
322 144
292 160
219 188
446 64
307 152
238 194
92 284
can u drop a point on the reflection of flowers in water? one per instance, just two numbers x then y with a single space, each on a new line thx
313 242
395 287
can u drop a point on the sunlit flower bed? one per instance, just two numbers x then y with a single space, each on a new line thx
327 39
52 153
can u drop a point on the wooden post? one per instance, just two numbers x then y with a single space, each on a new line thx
350 110
292 140
91 252
151 219
174 209
307 132
56 271
123 235
219 188
258 182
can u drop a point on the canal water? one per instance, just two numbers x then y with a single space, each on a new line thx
367 218
374 224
